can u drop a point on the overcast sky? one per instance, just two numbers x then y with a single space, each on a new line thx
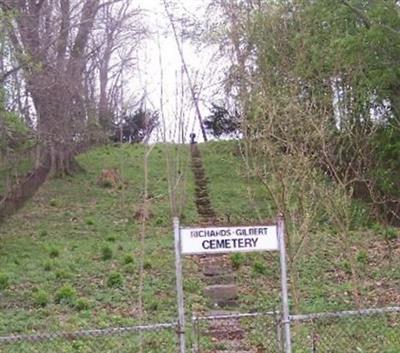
178 106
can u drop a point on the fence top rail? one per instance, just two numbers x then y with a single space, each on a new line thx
86 333
341 314
233 316
301 317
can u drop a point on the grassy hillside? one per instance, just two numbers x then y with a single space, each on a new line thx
71 257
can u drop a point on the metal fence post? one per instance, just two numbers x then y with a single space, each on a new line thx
284 286
179 286
278 328
196 334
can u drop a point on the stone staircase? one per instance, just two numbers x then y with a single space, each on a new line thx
221 289
202 199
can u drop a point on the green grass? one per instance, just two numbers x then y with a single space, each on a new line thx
13 171
51 243
70 258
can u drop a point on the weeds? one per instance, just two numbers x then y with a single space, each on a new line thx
4 281
41 298
54 253
237 260
106 253
115 280
66 295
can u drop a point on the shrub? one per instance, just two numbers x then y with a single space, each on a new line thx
54 253
62 274
90 222
130 269
237 260
41 298
43 233
115 280
345 267
128 259
192 285
391 233
106 253
362 257
153 305
65 295
259 267
82 304
47 266
4 281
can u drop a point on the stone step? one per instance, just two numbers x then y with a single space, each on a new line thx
227 333
215 269
222 295
233 351
220 279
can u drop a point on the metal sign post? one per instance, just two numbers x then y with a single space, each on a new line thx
284 288
179 287
212 240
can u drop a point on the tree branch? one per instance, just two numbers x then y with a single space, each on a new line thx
359 13
4 76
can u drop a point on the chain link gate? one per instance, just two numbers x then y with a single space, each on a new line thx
261 331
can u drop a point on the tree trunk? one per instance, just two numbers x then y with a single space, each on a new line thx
56 127
62 161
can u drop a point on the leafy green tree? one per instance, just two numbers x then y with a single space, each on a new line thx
330 71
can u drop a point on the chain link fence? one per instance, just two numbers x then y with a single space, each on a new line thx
259 332
364 331
150 338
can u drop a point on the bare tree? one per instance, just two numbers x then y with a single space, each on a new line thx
115 40
186 70
59 45
51 40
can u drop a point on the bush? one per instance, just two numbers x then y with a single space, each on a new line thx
90 222
47 266
41 298
362 257
259 268
4 281
62 274
66 295
130 269
115 280
237 259
82 304
106 253
54 253
391 233
43 233
128 259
